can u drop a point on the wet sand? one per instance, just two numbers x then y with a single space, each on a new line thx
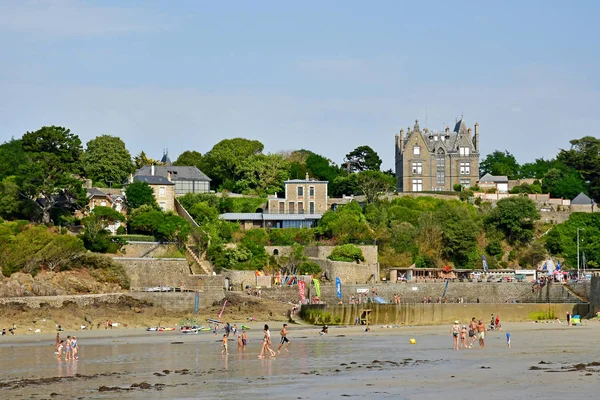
547 360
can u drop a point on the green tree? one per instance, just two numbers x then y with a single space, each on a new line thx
536 169
309 268
321 168
584 156
515 217
9 198
60 251
107 161
500 163
190 158
363 158
11 156
347 253
563 182
48 177
261 174
142 160
346 224
459 233
345 185
224 159
374 183
138 194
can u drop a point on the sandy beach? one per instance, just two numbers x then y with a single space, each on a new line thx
547 360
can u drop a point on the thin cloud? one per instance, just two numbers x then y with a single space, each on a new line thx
65 18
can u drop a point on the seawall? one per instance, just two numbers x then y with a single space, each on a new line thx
435 314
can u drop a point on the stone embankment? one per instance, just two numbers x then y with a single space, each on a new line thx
48 283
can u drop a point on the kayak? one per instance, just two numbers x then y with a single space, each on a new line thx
161 329
152 329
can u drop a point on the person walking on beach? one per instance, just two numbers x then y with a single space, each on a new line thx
568 318
497 323
455 334
481 333
492 321
508 339
239 343
225 345
244 339
68 349
59 350
472 332
284 339
75 347
266 344
463 337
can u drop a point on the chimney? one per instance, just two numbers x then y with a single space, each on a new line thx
169 176
476 136
307 176
152 170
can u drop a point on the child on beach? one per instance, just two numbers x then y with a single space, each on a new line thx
225 345
463 337
74 348
244 339
239 343
508 339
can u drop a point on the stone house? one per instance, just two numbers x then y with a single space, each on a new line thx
113 198
187 179
303 204
436 161
163 187
500 183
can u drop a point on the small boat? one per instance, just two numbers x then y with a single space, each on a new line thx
152 329
213 321
167 329
192 329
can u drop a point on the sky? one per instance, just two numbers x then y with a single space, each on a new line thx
326 76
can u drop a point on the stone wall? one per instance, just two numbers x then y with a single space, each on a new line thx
347 271
168 301
239 279
595 295
149 272
369 252
435 314
496 293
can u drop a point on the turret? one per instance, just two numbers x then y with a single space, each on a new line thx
401 140
476 136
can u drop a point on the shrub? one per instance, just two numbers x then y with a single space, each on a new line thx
494 247
121 230
103 268
346 252
309 268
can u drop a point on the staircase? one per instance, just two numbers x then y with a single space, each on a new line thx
204 265
150 250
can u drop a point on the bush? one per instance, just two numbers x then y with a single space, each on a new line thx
346 252
121 230
309 268
494 248
103 268
136 238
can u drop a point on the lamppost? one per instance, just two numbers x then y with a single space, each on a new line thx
578 229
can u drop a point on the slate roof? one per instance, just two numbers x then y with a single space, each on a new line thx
177 173
267 217
581 199
493 178
96 192
152 179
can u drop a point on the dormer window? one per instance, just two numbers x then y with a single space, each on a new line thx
464 151
416 151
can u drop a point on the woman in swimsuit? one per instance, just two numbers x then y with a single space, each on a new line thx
75 348
455 333
68 349
59 350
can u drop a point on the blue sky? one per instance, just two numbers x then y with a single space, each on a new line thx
327 76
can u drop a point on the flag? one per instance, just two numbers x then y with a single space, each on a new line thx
484 262
317 287
301 291
545 267
338 287
558 266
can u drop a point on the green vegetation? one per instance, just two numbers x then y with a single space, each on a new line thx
542 315
106 161
347 253
140 194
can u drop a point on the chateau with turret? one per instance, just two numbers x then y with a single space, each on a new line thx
436 161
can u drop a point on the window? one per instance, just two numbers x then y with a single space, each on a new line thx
417 151
312 207
311 191
103 203
163 205
281 207
417 168
417 185
464 151
440 174
291 207
465 168
300 207
161 191
300 191
465 183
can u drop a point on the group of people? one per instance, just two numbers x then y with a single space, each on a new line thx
68 346
266 348
465 336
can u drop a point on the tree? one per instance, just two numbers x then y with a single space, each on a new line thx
563 182
345 185
261 174
536 169
106 160
363 158
224 159
459 233
48 176
584 156
11 156
189 158
346 224
515 216
60 251
321 168
138 194
373 183
500 163
142 160
347 253
9 198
